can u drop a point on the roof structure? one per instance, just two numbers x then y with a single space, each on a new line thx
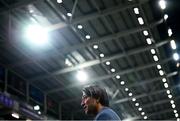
123 45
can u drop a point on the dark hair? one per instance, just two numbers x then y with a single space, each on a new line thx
98 93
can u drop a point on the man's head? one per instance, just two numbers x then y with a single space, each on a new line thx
94 97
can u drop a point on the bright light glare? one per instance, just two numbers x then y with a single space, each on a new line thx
161 72
130 94
165 17
59 1
136 10
134 99
173 44
88 36
175 111
36 107
67 62
122 82
176 115
145 32
141 21
118 77
136 104
158 66
82 76
176 56
165 85
79 26
155 58
169 32
126 89
142 113
170 96
168 92
113 70
15 115
162 4
101 55
140 109
148 40
172 101
69 14
173 105
95 47
36 35
153 51
164 80
145 117
108 63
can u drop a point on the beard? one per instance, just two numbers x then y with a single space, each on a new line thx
91 109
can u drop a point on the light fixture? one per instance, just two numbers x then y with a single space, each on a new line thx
113 70
136 10
176 56
15 115
39 112
164 80
126 89
172 101
178 119
165 17
67 62
155 58
141 21
173 105
161 72
88 36
142 113
158 66
145 32
36 107
145 117
175 111
148 40
153 51
122 82
177 65
81 76
139 109
169 32
136 104
101 55
168 92
59 1
133 99
165 85
162 4
108 63
79 26
130 94
95 46
170 96
176 115
69 14
173 44
36 35
118 77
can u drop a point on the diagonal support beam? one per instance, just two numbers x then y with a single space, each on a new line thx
97 61
18 4
148 81
101 78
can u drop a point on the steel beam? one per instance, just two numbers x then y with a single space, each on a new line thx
18 4
148 81
101 78
98 61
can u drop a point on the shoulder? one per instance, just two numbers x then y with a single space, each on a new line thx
107 114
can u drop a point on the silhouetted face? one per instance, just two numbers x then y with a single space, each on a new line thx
89 104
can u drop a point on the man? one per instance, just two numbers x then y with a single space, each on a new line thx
95 101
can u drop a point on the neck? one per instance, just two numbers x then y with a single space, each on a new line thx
99 107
